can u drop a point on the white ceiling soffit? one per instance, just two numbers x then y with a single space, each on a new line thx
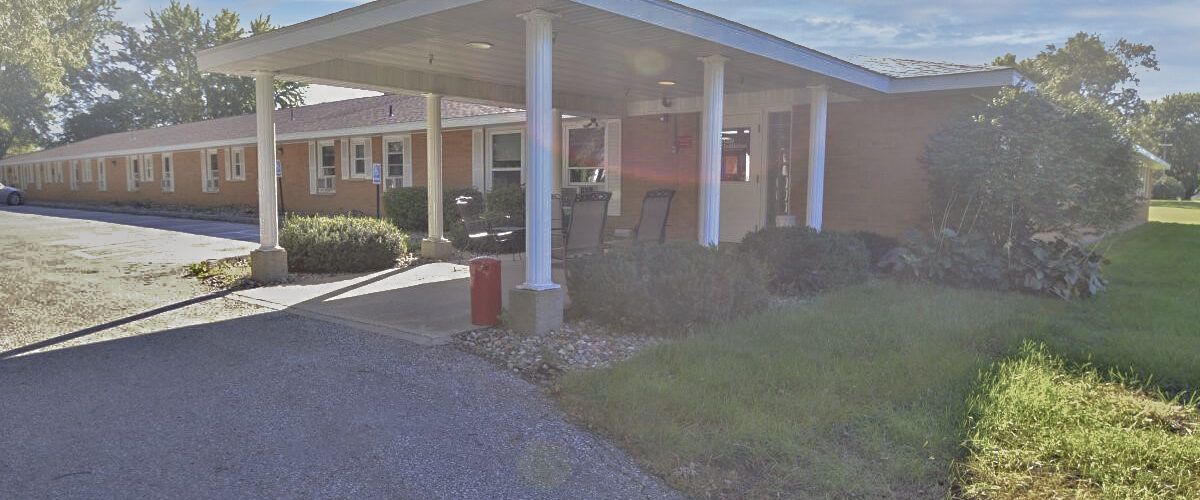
608 53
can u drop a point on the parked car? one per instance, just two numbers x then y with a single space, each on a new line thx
11 195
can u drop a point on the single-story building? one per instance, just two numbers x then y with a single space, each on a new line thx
620 95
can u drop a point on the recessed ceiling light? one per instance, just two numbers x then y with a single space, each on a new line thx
666 83
480 45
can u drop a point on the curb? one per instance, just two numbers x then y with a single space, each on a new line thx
141 211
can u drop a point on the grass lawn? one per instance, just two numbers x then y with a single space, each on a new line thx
1047 430
864 393
1180 212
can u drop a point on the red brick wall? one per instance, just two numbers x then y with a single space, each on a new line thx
456 159
874 180
873 177
648 162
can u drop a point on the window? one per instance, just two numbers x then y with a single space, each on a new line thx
212 172
326 167
168 173
508 152
585 155
87 170
394 151
58 172
133 173
360 158
148 168
237 164
101 175
735 154
74 175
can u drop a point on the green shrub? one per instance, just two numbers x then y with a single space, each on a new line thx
317 243
1167 188
801 260
507 201
1058 268
948 257
877 244
408 207
665 289
1026 164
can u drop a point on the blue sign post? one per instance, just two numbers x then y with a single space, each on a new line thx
279 187
377 178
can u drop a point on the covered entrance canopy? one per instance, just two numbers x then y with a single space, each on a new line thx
585 57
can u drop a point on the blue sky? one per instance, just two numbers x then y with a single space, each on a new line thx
973 31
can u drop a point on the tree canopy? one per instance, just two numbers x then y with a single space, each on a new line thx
1173 126
44 42
149 77
1026 164
1084 66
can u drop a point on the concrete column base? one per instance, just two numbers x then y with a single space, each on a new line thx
534 312
436 249
268 266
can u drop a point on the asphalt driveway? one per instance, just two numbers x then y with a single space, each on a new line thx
224 400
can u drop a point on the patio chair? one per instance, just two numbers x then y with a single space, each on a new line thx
568 196
652 223
557 229
478 227
585 234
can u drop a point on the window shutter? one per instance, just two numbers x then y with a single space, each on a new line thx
371 158
312 167
477 158
345 147
612 164
148 167
408 161
228 164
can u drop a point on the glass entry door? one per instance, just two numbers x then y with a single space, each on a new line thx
742 207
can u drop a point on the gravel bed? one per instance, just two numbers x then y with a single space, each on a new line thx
542 358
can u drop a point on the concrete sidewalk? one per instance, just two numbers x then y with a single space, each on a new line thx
427 304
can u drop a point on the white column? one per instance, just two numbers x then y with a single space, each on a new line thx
433 165
539 145
268 198
709 215
818 113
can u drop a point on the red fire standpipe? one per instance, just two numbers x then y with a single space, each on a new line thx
485 291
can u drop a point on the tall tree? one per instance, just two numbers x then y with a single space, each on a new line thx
1086 67
44 41
1175 121
155 80
165 54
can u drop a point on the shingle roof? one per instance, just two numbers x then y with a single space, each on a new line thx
331 116
909 68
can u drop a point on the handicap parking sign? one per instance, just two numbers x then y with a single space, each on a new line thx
375 176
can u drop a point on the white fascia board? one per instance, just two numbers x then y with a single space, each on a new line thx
1151 160
1005 77
691 22
349 21
447 124
400 128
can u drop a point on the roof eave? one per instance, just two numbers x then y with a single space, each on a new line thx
1001 77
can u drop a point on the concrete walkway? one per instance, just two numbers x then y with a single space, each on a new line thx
427 304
